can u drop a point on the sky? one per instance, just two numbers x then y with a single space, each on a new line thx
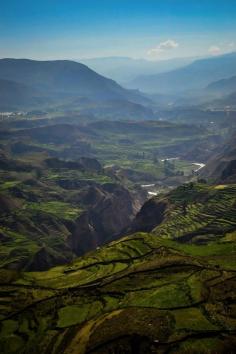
150 29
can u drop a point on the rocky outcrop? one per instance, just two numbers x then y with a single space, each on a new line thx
111 208
221 168
90 164
229 173
151 214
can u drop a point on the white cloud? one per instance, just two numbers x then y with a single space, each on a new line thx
214 50
162 47
169 44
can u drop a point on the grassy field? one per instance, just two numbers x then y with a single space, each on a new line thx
59 209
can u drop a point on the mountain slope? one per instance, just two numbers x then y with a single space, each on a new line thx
195 76
63 78
14 95
222 166
224 86
227 102
192 213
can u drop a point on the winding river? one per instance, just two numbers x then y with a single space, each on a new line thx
199 165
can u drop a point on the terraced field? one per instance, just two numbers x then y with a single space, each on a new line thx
199 212
146 293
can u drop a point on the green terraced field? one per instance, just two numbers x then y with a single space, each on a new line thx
60 209
145 293
199 212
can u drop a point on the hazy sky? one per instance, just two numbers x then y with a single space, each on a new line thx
154 29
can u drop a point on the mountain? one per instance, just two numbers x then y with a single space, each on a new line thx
15 95
224 86
124 69
63 79
194 76
223 93
221 168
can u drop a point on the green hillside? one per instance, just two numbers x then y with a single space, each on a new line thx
167 291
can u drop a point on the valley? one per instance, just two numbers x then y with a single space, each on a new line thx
57 204
117 208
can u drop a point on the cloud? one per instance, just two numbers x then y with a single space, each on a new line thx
214 50
162 48
169 44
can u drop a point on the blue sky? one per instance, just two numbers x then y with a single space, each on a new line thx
152 29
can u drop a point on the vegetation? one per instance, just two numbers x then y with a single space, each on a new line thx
169 289
60 209
177 297
47 186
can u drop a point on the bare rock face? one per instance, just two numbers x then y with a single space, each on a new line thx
221 168
90 164
229 173
111 210
150 215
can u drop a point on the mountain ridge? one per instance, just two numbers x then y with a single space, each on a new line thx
223 86
196 75
63 79
124 69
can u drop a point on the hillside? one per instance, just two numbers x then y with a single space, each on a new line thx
146 293
52 210
224 86
227 102
194 76
109 109
61 80
14 95
221 167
